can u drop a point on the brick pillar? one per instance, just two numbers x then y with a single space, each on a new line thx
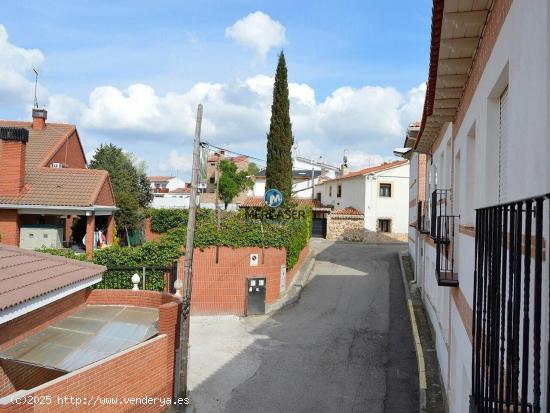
90 228
9 227
68 229
169 324
110 229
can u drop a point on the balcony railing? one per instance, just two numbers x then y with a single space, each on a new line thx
439 204
510 333
444 258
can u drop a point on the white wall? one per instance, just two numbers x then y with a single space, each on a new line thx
362 193
395 207
518 61
353 193
170 202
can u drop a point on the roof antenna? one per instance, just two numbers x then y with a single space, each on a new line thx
35 86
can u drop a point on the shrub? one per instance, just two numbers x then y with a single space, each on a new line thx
235 231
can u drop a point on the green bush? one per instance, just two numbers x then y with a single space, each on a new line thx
163 220
236 231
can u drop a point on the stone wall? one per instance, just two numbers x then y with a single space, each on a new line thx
351 228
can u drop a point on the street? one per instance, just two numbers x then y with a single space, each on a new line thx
345 346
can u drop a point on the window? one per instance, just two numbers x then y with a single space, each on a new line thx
318 196
384 225
212 180
339 192
385 190
330 190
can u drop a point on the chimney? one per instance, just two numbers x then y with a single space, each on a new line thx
12 159
344 168
39 118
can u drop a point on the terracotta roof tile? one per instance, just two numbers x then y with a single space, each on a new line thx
160 178
258 201
347 211
25 275
48 186
372 169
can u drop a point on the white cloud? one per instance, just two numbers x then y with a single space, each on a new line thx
176 161
364 121
257 31
16 65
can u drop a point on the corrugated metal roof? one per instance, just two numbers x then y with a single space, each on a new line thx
90 335
25 275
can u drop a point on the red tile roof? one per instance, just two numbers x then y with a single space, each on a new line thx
372 169
48 186
347 211
181 191
25 275
160 178
258 201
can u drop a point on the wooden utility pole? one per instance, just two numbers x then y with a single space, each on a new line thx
181 387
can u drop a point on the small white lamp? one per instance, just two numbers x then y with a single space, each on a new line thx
136 279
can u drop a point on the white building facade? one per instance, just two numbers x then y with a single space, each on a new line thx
480 244
379 193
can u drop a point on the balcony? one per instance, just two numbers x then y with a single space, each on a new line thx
511 299
444 246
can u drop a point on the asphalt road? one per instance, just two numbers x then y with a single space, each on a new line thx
345 346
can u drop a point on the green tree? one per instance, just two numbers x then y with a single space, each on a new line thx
279 138
233 182
130 185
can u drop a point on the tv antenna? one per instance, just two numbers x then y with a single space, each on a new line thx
35 86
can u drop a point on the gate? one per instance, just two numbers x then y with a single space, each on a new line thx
256 296
319 228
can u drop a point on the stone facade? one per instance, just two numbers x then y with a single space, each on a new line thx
351 228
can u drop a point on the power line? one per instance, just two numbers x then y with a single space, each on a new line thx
206 144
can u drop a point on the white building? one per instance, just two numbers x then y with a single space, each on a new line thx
484 140
379 193
169 192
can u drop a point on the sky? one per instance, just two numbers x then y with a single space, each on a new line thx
133 72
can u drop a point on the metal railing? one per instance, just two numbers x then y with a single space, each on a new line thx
508 329
153 278
444 246
439 207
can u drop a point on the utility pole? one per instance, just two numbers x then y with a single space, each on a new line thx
181 389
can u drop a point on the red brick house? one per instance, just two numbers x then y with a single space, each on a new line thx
44 182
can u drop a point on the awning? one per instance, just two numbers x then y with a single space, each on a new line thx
90 335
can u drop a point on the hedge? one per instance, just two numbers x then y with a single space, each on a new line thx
235 231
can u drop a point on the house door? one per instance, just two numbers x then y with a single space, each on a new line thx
256 296
319 227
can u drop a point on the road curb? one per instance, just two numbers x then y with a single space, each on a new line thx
422 382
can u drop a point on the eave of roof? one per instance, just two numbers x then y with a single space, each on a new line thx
372 169
456 32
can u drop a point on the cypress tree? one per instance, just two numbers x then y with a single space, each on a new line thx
279 138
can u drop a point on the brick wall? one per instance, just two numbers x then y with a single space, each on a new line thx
105 196
221 288
9 227
149 234
143 370
70 154
12 167
31 323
